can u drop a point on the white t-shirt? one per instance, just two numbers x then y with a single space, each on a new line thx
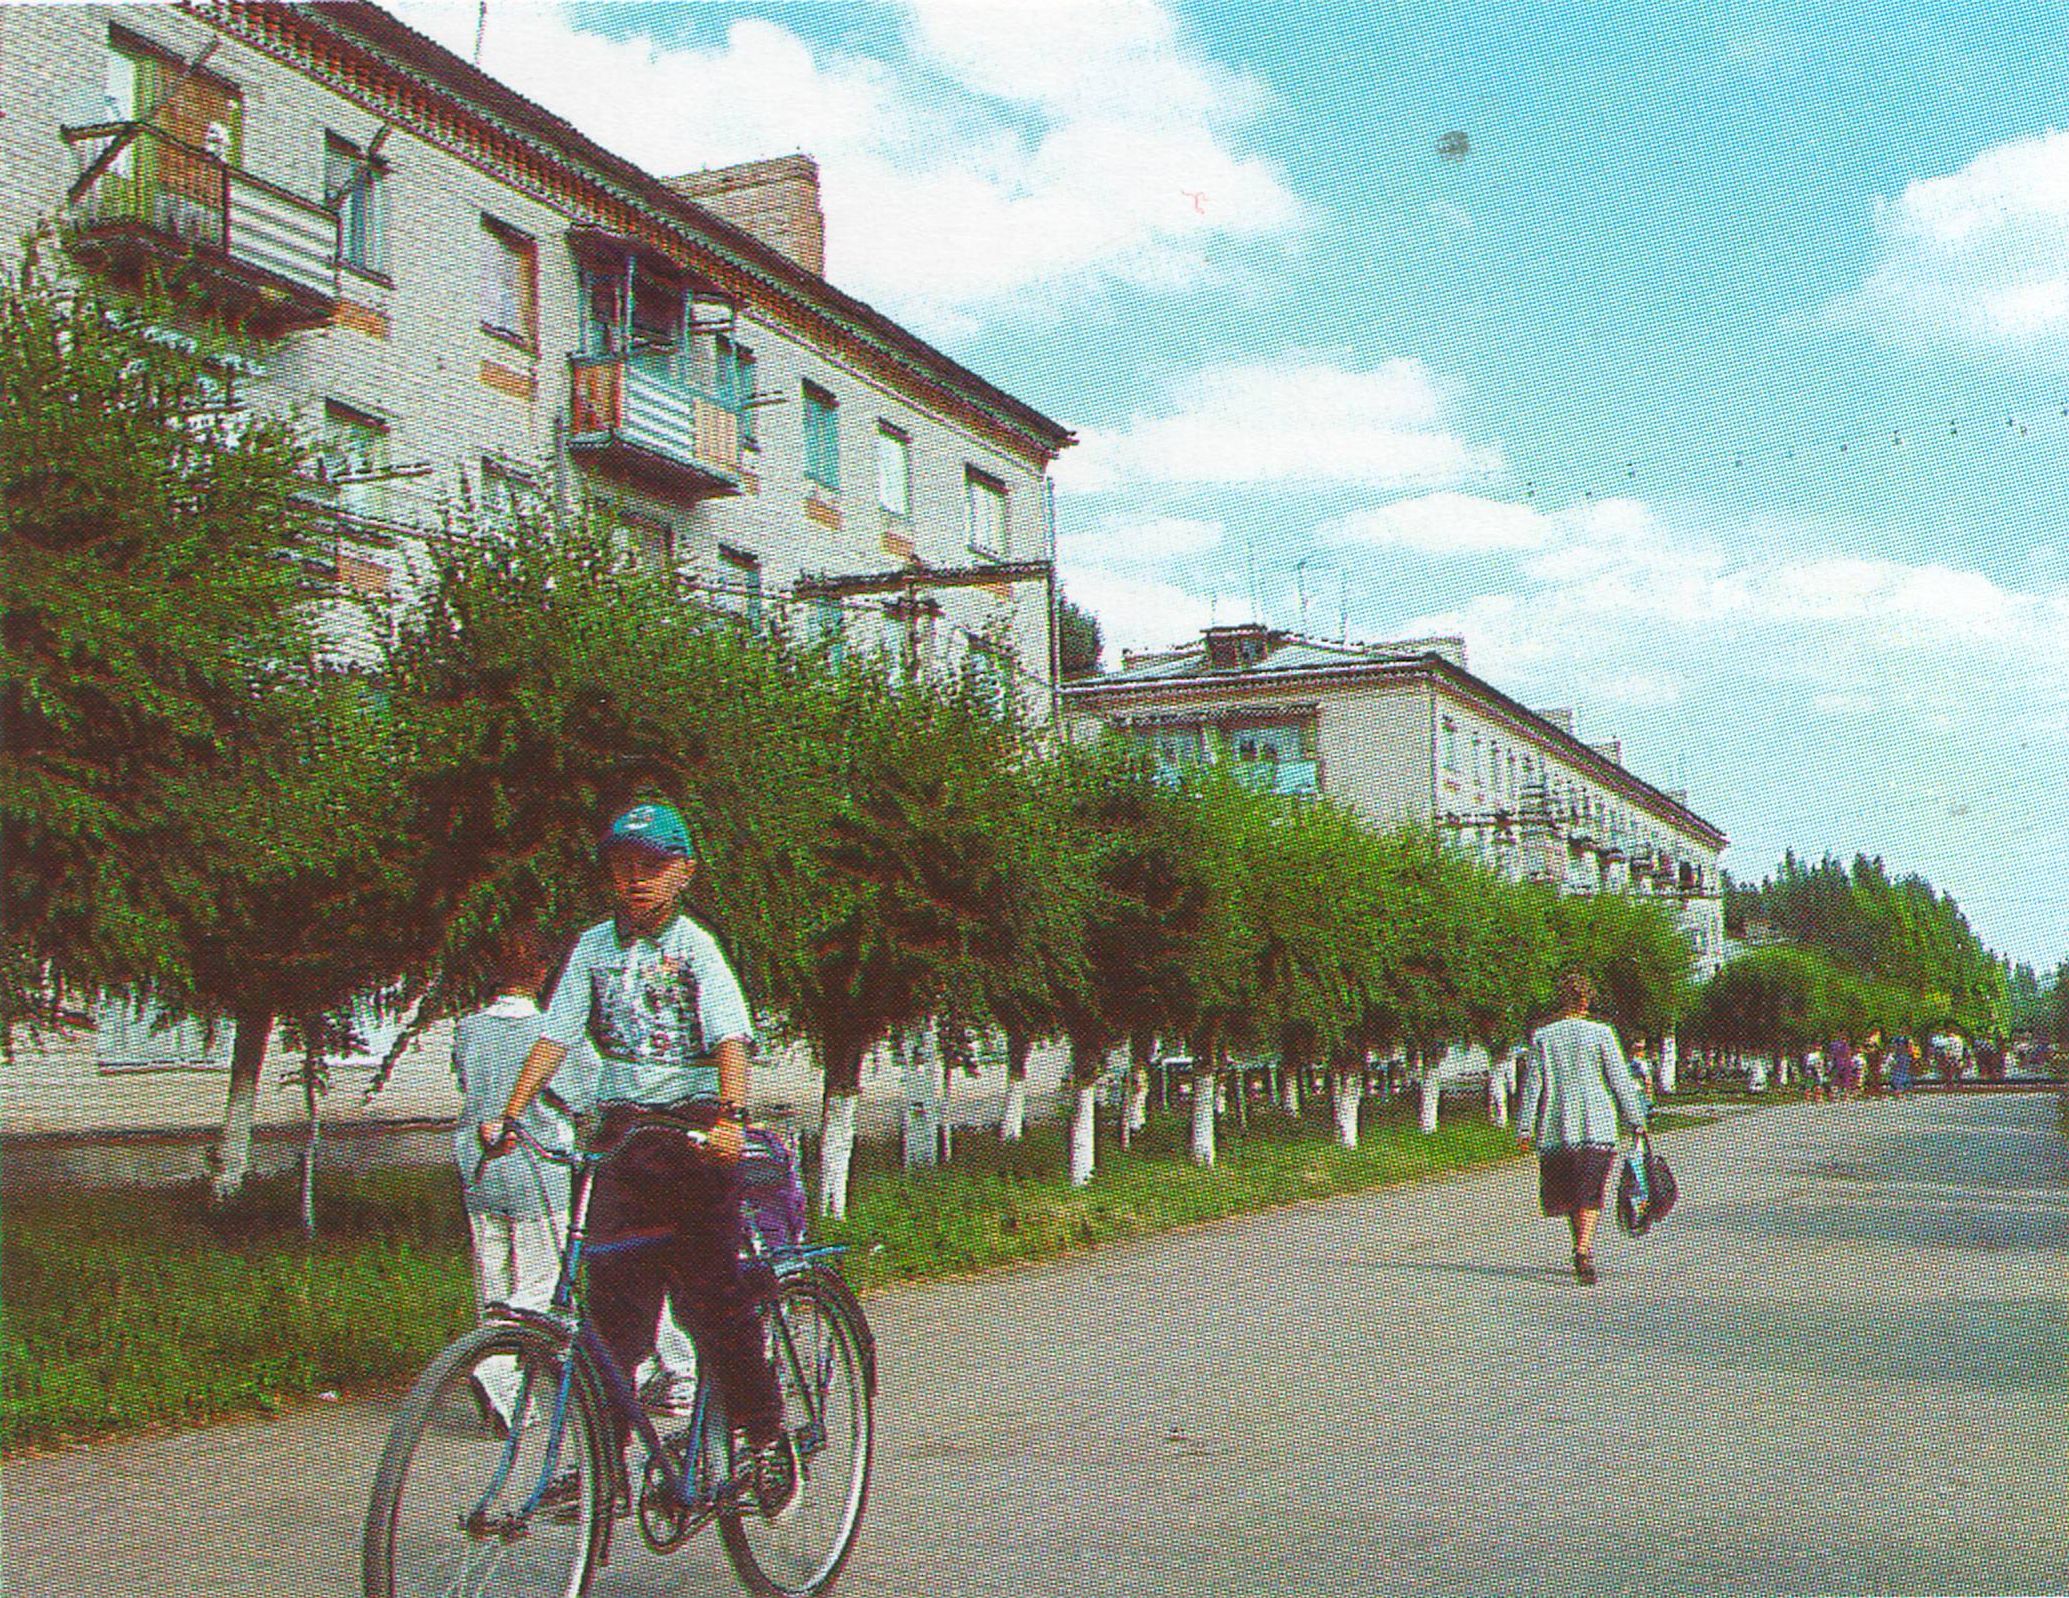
653 1009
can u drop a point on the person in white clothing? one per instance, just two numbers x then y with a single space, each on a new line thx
517 1210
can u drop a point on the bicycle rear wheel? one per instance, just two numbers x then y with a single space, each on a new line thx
816 1344
494 1479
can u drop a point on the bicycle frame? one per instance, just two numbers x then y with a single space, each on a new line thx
568 1316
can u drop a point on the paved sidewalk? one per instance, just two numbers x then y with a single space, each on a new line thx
1838 1368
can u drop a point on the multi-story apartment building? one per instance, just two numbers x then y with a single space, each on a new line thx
457 292
462 288
1404 733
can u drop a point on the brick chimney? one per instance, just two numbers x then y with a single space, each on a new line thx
775 200
1237 647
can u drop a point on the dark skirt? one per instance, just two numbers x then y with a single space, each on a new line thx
1573 1179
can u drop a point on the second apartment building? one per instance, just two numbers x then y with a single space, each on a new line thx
460 288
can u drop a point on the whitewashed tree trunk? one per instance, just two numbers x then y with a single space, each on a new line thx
1669 1056
233 1149
1432 1092
1138 1100
836 1154
1498 1094
1084 1126
1349 1088
1206 1091
1013 1123
1290 1089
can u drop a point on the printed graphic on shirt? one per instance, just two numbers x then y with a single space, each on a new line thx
646 1012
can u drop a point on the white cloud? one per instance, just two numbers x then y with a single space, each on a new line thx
1446 524
1011 157
1624 606
1981 255
1301 419
1141 612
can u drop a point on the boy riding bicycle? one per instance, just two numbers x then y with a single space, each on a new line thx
657 1000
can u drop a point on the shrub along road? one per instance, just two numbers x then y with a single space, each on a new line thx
1838 1367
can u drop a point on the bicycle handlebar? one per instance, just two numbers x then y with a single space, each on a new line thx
517 1135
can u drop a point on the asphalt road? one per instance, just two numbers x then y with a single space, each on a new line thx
1840 1367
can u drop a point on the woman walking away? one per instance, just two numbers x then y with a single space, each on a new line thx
1576 1083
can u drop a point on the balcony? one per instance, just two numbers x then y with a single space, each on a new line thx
146 204
1295 779
630 414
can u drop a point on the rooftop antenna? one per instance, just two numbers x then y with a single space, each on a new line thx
1343 607
481 25
1250 556
1300 587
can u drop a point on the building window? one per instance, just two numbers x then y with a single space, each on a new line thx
356 460
354 186
830 628
131 1033
1267 743
1173 746
893 469
740 584
984 513
822 438
736 384
1450 737
507 494
509 283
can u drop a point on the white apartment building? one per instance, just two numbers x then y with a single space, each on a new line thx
460 293
465 289
1404 733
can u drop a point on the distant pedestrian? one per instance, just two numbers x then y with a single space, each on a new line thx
1900 1060
1575 1085
1846 1067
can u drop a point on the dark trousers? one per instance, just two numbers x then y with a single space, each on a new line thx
660 1186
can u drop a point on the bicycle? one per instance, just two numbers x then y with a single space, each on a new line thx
468 1502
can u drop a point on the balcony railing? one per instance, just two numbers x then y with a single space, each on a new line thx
146 201
1293 778
635 414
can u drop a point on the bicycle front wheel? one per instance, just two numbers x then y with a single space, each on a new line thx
494 1479
816 1345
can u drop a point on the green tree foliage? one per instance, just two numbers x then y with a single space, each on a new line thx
1637 958
1781 1000
152 601
930 829
1078 641
1896 934
548 679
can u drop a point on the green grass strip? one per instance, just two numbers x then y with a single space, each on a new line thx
132 1308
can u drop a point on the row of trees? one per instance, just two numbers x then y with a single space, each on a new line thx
1851 951
207 802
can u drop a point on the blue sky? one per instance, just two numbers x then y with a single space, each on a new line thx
1719 389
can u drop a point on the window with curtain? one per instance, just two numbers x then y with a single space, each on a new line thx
736 384
509 282
353 187
984 512
822 437
893 469
740 584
